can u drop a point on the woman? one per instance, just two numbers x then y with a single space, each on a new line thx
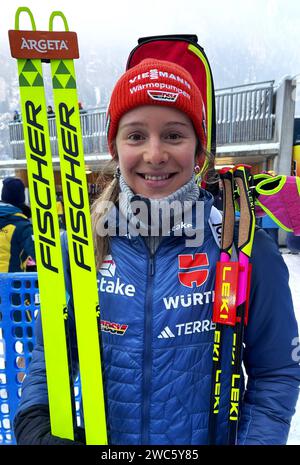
157 367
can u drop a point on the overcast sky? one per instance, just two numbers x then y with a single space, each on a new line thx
123 21
267 29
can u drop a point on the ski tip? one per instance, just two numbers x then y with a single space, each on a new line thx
58 14
24 9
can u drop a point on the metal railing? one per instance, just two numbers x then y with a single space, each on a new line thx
92 127
243 114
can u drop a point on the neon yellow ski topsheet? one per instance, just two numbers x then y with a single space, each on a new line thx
81 250
47 244
80 244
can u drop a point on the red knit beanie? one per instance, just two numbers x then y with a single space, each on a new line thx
156 82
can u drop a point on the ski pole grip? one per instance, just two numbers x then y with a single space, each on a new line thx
243 166
24 9
247 219
59 14
226 175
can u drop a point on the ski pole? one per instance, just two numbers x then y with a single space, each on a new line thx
225 291
245 242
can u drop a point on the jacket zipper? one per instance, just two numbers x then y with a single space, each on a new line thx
147 353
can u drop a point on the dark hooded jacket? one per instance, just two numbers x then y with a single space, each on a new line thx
16 239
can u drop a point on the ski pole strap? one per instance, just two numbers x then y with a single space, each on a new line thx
256 179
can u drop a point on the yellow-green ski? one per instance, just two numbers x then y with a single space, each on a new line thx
46 239
80 243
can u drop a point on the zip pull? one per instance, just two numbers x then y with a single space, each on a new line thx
151 265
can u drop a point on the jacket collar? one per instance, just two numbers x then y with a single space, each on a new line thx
195 218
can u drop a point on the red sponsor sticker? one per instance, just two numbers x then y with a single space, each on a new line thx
224 310
162 95
45 45
192 274
113 328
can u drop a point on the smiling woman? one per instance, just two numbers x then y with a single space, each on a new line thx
156 149
156 290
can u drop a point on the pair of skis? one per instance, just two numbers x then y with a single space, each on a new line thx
54 314
232 289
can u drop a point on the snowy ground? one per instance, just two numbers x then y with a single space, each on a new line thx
293 263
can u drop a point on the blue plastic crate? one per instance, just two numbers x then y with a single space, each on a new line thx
19 306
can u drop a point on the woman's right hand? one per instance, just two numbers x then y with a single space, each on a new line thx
32 427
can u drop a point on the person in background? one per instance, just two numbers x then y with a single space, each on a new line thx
60 212
81 109
293 243
270 227
16 243
16 117
83 120
50 112
16 233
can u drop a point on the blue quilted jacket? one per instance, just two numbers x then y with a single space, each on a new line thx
157 335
